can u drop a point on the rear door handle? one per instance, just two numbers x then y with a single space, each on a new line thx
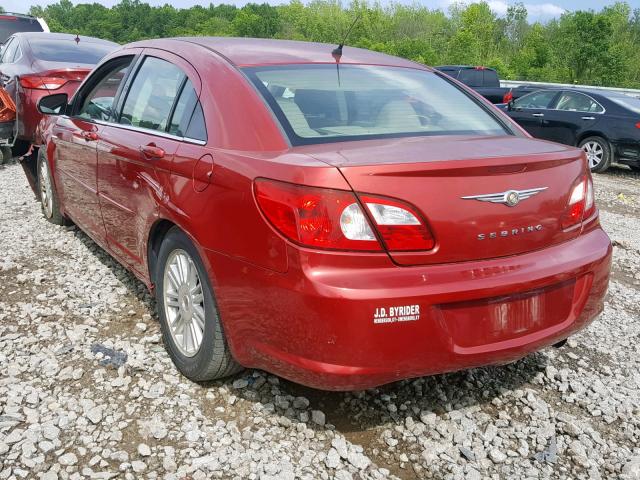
152 151
588 118
89 136
537 114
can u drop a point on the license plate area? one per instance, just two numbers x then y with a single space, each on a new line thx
491 320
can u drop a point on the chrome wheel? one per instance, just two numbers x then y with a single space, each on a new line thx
46 192
595 153
184 302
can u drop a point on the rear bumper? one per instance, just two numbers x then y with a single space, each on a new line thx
627 152
348 322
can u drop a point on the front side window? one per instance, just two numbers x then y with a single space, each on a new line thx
577 102
536 100
98 103
151 96
323 103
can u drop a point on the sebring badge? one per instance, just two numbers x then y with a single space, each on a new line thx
510 198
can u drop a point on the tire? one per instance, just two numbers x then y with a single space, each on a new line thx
196 343
47 192
598 153
5 155
635 168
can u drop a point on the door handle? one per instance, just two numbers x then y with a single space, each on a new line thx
537 115
89 136
151 151
588 118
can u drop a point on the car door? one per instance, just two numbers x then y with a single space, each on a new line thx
77 136
137 149
572 113
529 110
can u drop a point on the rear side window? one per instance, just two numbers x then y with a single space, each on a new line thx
197 129
152 94
577 102
187 119
10 25
69 51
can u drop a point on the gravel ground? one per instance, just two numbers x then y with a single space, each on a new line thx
87 390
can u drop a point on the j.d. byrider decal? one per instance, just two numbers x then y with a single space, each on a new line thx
408 313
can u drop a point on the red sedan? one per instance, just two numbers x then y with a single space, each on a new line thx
342 220
36 64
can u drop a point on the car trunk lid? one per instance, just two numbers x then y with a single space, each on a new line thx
446 178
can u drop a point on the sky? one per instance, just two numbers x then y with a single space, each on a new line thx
538 10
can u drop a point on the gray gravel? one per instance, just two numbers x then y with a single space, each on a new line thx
87 390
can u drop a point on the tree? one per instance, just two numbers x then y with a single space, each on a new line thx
601 48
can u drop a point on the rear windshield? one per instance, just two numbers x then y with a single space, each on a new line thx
10 25
69 51
324 103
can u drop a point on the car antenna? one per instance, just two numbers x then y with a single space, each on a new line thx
77 39
337 52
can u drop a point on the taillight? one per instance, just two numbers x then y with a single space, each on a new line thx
316 217
399 225
53 79
334 219
581 203
42 83
638 125
507 97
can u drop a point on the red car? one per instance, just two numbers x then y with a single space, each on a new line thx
36 64
341 219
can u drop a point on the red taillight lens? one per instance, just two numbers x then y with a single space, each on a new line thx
316 217
42 83
638 125
507 97
399 224
581 203
53 79
334 219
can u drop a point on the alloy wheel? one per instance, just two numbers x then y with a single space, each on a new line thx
184 302
595 153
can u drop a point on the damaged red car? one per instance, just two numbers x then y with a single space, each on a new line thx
36 64
338 217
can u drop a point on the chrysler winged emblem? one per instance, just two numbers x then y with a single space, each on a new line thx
510 198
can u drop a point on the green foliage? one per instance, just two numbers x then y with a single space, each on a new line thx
599 48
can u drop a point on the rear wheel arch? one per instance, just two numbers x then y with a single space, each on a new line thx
156 235
606 151
592 133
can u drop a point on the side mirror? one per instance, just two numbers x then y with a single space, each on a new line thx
53 104
511 105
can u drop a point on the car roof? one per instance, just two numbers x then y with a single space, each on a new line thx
462 67
60 36
244 52
596 92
